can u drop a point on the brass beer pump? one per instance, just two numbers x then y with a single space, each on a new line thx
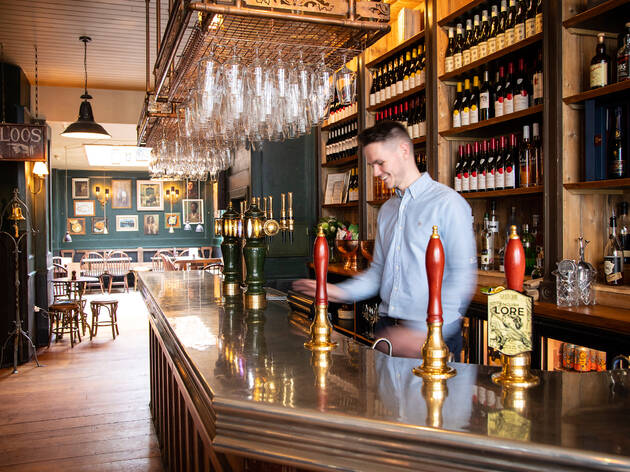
434 351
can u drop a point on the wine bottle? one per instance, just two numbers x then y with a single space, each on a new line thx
466 169
494 228
457 181
623 57
511 164
490 165
499 93
529 248
527 178
519 21
503 22
481 168
624 232
465 106
399 76
510 24
474 101
521 88
613 256
483 35
474 42
458 60
600 64
474 168
388 82
508 91
468 39
413 69
373 89
406 72
484 97
616 155
422 125
537 83
411 118
537 146
421 77
487 245
450 52
530 21
380 86
494 29
539 16
457 106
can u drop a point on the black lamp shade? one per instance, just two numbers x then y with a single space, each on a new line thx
85 127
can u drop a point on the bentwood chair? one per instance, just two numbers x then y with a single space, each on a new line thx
118 264
168 263
93 265
59 271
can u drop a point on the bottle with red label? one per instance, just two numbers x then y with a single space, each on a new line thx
491 165
511 164
458 169
499 172
466 170
483 160
508 90
521 88
474 167
499 93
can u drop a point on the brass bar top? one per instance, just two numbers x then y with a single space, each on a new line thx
267 397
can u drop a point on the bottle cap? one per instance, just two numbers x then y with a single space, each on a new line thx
526 132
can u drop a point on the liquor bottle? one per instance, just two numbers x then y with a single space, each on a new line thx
530 22
413 69
400 76
538 161
510 24
458 48
466 169
474 101
537 82
613 256
539 16
422 61
508 91
503 20
474 168
487 245
494 29
465 106
474 42
624 232
468 39
526 158
490 165
616 154
499 93
373 89
457 181
538 237
422 120
521 88
529 247
457 106
623 57
483 35
519 21
499 166
484 97
481 168
511 164
600 64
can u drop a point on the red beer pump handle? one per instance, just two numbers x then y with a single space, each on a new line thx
320 260
514 262
435 271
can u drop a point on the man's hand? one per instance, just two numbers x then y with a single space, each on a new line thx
307 287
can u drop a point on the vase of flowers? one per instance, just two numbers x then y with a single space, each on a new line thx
335 229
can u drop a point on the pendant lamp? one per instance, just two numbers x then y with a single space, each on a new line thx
85 127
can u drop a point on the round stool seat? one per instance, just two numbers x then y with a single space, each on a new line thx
111 306
63 306
104 302
64 318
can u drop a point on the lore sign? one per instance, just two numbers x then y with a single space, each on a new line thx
22 142
510 322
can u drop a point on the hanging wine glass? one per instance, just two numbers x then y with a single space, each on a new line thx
346 84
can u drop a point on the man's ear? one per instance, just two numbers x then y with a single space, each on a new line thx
405 150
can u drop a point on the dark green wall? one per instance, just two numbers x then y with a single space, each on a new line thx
124 240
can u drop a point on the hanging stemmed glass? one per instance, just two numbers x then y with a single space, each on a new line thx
346 84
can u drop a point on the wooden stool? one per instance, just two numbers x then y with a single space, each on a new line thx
64 317
112 306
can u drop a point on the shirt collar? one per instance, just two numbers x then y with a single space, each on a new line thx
417 187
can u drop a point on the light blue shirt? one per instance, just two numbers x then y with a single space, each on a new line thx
398 271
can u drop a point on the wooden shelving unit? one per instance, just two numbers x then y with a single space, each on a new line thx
397 98
608 92
513 192
346 161
608 16
447 20
378 202
492 57
599 186
392 52
463 130
347 119
418 141
342 205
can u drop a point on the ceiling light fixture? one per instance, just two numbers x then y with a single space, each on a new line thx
85 127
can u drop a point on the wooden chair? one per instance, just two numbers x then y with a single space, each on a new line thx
93 265
60 291
118 264
157 262
57 260
59 271
67 253
206 251
184 253
214 267
63 317
112 307
168 263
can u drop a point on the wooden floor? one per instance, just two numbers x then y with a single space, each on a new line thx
88 408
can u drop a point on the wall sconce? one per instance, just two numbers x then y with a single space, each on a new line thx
172 194
40 171
104 197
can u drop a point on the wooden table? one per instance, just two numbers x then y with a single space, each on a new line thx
188 262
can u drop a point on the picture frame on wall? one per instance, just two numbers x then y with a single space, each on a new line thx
100 225
193 210
172 220
126 223
151 224
76 225
121 194
84 208
81 188
149 195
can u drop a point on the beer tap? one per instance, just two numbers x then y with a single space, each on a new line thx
283 216
290 219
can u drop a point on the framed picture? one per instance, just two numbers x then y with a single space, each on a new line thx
193 210
100 225
81 188
84 208
76 225
121 194
171 220
126 222
151 224
336 187
149 195
192 189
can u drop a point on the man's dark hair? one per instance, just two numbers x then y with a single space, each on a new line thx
383 131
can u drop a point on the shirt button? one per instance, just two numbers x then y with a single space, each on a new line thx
398 247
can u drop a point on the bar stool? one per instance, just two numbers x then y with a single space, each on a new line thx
112 306
64 317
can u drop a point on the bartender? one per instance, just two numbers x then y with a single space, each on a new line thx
404 226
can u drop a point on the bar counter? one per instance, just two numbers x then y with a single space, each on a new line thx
230 386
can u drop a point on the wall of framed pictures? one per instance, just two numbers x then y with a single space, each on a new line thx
138 212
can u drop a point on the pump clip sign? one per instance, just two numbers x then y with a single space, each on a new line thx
22 142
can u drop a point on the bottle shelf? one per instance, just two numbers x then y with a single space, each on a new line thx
599 186
378 202
447 20
491 57
419 141
397 98
503 193
392 52
473 130
609 92
341 205
352 117
346 161
609 16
